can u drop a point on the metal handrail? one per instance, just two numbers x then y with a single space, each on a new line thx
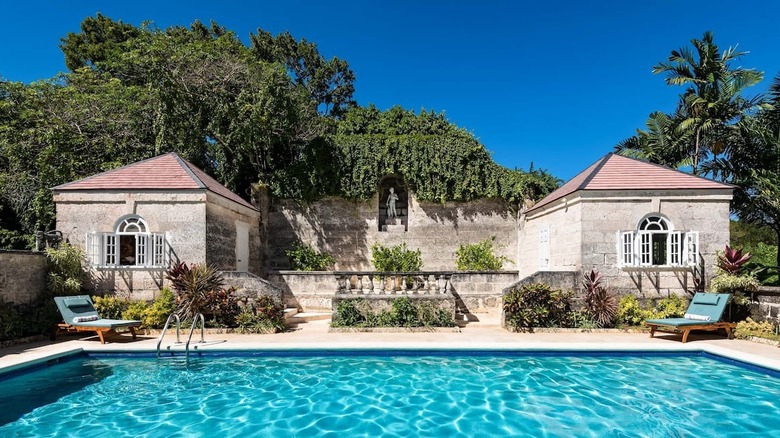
198 317
165 328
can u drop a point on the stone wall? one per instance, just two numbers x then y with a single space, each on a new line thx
766 304
223 220
564 226
477 294
308 291
22 276
346 230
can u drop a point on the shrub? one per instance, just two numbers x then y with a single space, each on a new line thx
11 321
161 308
398 258
65 273
583 320
136 311
403 313
347 314
730 284
630 312
305 258
266 316
749 328
673 306
536 305
154 314
600 304
479 257
110 306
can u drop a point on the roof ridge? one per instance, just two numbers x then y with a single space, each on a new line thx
186 166
673 170
601 162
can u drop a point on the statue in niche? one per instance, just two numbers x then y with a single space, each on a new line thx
391 200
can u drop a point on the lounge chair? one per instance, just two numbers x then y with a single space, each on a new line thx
704 313
80 315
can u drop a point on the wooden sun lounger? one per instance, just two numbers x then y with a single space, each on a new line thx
704 313
79 315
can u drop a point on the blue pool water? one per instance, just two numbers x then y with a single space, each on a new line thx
442 394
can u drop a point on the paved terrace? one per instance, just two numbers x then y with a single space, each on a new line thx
315 335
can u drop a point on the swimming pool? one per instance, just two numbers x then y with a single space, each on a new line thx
403 393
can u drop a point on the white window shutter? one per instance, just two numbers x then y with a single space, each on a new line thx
691 256
93 246
109 249
141 249
626 248
645 249
544 248
674 250
158 251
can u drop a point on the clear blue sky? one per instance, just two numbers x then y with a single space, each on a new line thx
556 83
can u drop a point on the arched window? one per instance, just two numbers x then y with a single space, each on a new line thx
130 245
131 225
655 242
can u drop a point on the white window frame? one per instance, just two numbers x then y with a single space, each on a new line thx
151 250
635 247
544 247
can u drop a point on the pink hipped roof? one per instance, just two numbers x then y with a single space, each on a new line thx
164 172
616 172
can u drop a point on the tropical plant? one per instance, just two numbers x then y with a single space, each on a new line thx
397 258
194 286
536 305
479 257
600 304
732 260
305 258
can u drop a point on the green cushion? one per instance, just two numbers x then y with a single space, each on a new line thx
77 302
711 299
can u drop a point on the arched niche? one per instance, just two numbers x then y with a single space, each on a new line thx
386 221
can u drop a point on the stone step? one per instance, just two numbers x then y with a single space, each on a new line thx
290 312
308 316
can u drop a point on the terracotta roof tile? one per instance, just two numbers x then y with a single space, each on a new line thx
616 172
164 172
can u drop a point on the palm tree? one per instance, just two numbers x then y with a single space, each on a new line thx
712 102
661 143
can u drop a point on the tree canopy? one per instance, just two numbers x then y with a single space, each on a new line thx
275 111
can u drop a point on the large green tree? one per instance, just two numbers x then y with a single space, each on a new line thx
275 112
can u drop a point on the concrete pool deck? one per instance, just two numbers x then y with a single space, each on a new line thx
315 335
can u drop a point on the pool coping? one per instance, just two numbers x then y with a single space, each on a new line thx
739 357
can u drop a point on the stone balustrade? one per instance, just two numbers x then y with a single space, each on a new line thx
393 283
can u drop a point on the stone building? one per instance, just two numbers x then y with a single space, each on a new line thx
134 221
648 229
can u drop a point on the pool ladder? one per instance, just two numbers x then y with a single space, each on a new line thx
198 318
